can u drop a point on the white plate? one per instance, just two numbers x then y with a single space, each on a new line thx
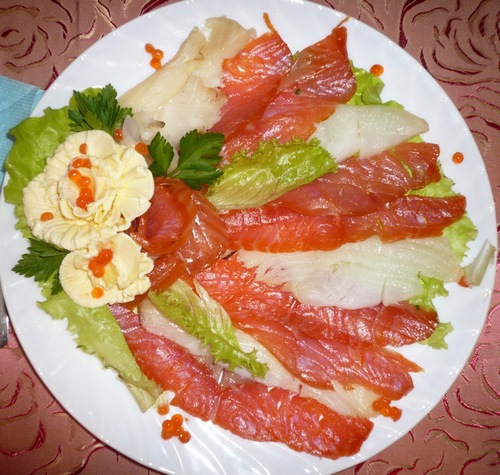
97 399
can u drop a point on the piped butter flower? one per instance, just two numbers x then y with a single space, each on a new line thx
90 189
113 272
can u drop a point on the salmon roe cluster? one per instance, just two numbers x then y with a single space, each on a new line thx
156 55
98 263
383 406
84 183
173 427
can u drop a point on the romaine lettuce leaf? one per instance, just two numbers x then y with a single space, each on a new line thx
36 139
369 89
437 339
432 287
463 231
201 316
98 333
253 180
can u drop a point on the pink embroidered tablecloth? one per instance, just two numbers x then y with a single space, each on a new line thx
458 42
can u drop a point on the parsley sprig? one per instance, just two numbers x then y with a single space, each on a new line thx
198 158
97 110
42 262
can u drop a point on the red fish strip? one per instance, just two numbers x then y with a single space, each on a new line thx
235 287
275 414
168 222
277 229
270 413
250 80
319 361
320 78
359 186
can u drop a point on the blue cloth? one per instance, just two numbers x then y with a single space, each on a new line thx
17 101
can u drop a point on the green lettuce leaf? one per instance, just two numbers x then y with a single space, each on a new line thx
437 339
203 318
36 139
253 180
369 89
98 333
461 232
432 288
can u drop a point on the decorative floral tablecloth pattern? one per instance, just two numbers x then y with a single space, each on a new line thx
458 42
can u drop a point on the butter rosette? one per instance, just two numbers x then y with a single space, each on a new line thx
91 189
114 271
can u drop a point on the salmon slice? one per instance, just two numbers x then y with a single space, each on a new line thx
320 78
395 325
170 366
210 393
359 186
319 362
208 239
274 414
168 222
250 80
184 245
316 361
279 229
235 287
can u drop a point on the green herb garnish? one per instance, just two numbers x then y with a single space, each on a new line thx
198 158
97 110
42 262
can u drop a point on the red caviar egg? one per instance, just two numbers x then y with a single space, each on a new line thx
74 175
97 292
184 437
141 148
163 409
47 216
457 157
98 263
156 55
118 134
383 406
82 162
173 428
155 63
377 70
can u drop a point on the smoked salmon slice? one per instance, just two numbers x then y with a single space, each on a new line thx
210 393
278 229
171 366
320 78
208 239
168 222
250 79
182 224
236 288
360 185
382 325
274 414
318 362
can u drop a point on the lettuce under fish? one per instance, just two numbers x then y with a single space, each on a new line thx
202 317
256 179
97 333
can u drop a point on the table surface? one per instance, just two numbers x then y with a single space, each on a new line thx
459 44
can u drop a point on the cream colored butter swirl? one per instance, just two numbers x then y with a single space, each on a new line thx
120 180
125 276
